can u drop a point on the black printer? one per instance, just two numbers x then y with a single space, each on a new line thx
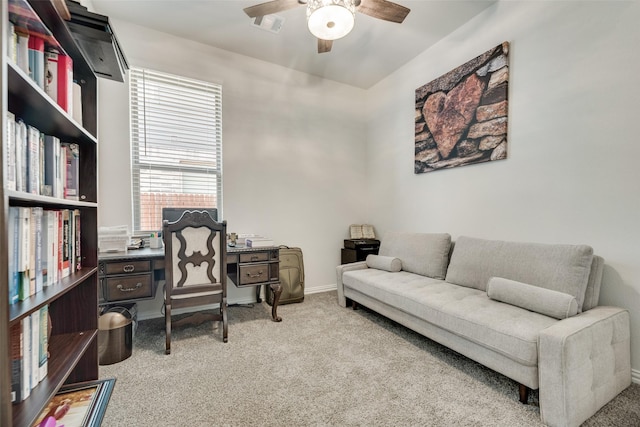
358 249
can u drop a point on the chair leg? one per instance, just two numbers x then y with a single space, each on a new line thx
167 322
225 326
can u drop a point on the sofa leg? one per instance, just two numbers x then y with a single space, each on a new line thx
524 394
354 305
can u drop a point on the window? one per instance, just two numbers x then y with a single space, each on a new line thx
176 145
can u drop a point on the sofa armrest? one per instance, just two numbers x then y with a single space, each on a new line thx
584 362
340 270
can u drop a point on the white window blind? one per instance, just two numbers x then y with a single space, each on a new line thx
176 145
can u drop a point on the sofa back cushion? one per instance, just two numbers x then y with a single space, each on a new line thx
562 268
426 254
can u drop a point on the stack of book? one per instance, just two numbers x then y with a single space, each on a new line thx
29 353
33 49
44 247
40 164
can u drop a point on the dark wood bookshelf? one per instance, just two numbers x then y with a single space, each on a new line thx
72 301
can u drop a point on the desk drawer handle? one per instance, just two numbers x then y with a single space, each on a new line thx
123 289
253 276
254 258
128 268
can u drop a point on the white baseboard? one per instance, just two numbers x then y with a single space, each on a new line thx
635 376
318 289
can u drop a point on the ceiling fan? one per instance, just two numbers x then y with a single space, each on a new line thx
329 20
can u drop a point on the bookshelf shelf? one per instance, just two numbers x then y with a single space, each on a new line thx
39 200
29 102
76 344
48 295
72 302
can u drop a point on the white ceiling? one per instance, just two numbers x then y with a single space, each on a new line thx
373 50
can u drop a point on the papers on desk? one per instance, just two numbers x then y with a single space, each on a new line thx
254 241
258 242
113 239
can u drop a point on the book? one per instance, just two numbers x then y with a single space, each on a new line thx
13 248
16 339
12 46
77 103
51 74
10 163
65 269
33 160
60 250
44 189
35 345
21 156
52 176
50 266
26 357
65 83
77 255
33 249
36 59
43 343
44 248
39 216
72 162
22 50
23 252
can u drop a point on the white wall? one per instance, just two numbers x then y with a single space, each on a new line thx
571 175
293 150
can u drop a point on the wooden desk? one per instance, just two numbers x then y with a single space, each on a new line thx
132 276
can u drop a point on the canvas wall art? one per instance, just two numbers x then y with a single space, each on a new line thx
461 117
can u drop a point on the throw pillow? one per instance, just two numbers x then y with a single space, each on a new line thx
386 263
534 298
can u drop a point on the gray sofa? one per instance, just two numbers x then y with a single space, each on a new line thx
528 311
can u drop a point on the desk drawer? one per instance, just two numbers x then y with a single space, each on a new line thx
128 287
254 273
254 257
127 267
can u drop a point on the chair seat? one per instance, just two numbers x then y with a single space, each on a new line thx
195 295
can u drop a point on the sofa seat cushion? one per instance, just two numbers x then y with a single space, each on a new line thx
466 312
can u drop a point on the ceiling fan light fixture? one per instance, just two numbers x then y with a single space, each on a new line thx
330 19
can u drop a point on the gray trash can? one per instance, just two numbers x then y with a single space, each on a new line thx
115 336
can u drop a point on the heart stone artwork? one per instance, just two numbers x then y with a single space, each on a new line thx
461 117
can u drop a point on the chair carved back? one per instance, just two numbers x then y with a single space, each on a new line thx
197 246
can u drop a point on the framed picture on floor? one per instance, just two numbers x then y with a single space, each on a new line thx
78 405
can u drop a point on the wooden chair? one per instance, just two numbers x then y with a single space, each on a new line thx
195 269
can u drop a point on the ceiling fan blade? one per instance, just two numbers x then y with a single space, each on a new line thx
324 46
383 9
270 7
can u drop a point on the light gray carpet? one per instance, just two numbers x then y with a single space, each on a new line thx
323 365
